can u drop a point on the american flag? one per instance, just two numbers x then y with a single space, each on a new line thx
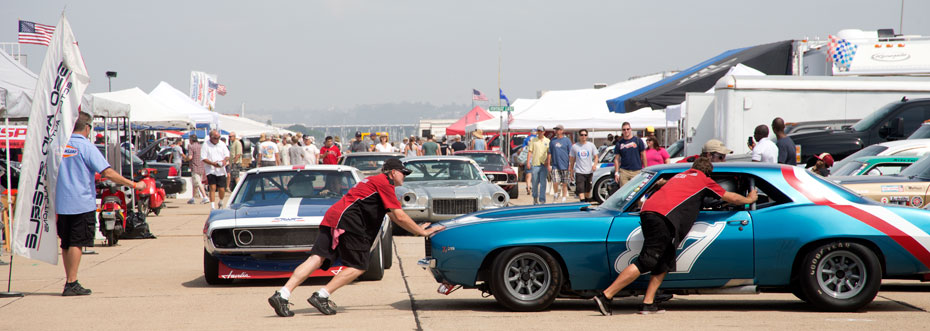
221 89
35 33
477 95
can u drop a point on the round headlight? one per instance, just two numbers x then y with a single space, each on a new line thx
499 199
410 199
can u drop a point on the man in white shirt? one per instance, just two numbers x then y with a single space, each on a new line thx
215 156
268 152
311 152
764 150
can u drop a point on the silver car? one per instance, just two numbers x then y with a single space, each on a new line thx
444 187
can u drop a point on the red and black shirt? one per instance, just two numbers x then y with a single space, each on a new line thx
360 212
680 199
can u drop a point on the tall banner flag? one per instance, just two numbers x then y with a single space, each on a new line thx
203 89
58 93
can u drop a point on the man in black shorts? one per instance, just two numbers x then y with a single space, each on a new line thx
347 232
666 217
215 156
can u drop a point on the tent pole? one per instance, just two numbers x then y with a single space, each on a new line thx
9 213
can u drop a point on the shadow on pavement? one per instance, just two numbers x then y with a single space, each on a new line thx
905 288
200 282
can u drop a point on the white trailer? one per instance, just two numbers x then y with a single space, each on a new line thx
743 102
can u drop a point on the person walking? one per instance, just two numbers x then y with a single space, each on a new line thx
410 147
458 145
311 152
764 150
348 229
478 142
215 156
177 155
270 154
296 152
558 162
430 147
359 144
666 218
787 150
75 201
235 161
444 147
198 173
655 154
285 146
629 155
330 151
384 146
583 163
537 154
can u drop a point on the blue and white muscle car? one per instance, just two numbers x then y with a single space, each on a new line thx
272 222
805 235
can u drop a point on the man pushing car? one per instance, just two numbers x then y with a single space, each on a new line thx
666 217
347 231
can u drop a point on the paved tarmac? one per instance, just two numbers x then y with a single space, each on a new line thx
157 284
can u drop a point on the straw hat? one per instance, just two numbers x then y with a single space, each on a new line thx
478 134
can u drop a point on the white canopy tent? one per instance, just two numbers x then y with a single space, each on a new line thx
179 102
247 128
144 110
582 109
17 84
494 124
104 107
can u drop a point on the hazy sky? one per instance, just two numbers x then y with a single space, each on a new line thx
277 55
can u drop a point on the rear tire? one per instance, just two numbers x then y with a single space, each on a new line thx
525 279
840 276
375 265
157 210
211 270
514 191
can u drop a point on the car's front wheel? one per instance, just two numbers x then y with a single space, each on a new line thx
525 279
211 270
602 188
514 191
840 276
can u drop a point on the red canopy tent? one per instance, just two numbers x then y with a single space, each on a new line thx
474 115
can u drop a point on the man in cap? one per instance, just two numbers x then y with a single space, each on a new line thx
820 164
537 153
713 149
558 160
458 145
347 231
358 145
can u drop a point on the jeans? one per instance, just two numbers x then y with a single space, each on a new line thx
540 179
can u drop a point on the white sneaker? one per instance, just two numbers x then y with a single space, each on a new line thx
556 194
563 199
204 201
191 201
212 206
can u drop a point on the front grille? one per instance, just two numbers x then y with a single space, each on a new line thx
454 206
275 237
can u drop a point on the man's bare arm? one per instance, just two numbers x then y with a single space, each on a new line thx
401 218
739 199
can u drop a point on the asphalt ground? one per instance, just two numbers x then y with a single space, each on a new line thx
157 284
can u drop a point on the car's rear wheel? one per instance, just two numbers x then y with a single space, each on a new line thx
375 264
211 270
840 276
525 279
602 188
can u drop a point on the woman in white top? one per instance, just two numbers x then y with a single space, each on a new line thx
384 146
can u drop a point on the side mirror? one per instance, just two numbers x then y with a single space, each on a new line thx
489 177
897 127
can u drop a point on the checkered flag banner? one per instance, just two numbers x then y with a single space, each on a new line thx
841 52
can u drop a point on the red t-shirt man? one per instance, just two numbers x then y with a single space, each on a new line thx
330 153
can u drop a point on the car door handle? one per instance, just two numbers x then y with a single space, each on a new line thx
741 222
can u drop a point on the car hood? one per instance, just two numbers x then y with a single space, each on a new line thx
528 213
495 168
848 180
293 207
449 188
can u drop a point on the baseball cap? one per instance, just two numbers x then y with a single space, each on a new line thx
540 128
650 129
826 158
395 164
559 127
358 134
715 146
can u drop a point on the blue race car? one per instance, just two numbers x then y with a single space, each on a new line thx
272 222
805 235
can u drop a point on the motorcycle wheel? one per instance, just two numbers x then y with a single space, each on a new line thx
157 210
144 206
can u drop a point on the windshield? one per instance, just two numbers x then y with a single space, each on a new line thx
922 132
676 148
367 162
920 169
868 151
135 159
442 170
627 192
873 118
278 186
848 169
486 159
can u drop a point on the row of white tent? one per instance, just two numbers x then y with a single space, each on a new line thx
163 107
579 109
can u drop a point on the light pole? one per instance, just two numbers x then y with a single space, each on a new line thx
110 75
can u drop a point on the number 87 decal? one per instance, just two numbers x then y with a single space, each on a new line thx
702 233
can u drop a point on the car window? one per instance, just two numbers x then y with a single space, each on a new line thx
872 150
916 151
873 118
442 170
920 169
913 116
676 149
740 183
278 186
848 169
485 159
886 169
627 192
366 162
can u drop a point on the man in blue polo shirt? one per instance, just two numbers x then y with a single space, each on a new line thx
629 155
75 202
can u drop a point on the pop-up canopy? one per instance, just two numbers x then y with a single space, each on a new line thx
247 128
146 111
474 115
17 84
179 102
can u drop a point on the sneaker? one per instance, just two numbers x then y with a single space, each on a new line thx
205 201
651 308
73 289
603 304
563 199
662 297
280 305
191 201
324 305
212 206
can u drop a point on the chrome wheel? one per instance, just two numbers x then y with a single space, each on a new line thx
602 189
841 275
527 276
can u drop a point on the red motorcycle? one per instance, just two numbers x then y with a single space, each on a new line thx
152 197
112 212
